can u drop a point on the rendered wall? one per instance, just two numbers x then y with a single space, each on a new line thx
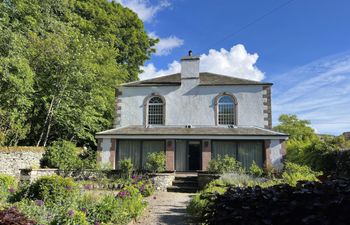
192 104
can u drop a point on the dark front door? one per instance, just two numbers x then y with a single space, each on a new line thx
194 155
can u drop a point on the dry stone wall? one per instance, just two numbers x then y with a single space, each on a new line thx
12 159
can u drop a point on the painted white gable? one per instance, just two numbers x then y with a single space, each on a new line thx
190 103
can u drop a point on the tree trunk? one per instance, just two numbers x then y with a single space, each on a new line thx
46 121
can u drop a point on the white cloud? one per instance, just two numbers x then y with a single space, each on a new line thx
318 91
165 45
144 9
150 71
237 62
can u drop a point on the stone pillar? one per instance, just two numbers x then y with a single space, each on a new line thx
206 154
267 154
99 151
106 148
112 155
274 153
170 155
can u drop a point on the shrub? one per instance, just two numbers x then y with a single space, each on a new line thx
200 202
12 216
126 167
155 162
255 170
53 189
307 203
145 187
294 173
8 185
133 205
71 217
224 165
343 164
62 155
118 209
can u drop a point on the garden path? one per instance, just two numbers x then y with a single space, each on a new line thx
166 208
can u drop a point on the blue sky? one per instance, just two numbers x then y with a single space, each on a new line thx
303 47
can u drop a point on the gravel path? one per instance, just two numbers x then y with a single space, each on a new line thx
166 208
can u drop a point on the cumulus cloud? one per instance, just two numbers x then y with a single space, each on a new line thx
165 45
318 91
236 62
150 71
144 9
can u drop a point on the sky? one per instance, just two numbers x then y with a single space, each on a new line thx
303 47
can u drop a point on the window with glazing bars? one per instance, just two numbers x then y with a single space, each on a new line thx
156 111
226 110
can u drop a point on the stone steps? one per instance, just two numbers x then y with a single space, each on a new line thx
184 184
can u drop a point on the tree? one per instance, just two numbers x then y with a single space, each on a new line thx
304 147
60 63
299 130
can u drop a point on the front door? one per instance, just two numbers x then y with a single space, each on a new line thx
194 155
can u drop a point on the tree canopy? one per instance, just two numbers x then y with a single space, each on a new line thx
305 147
60 62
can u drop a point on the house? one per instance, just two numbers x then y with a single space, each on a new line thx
193 117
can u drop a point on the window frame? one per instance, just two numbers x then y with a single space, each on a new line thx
235 114
146 109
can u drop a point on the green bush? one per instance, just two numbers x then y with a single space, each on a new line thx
53 189
293 173
155 162
8 184
71 217
145 187
63 155
226 164
199 203
126 167
255 170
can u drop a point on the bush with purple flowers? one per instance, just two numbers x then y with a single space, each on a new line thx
53 189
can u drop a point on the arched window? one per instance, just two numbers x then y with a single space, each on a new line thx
156 111
226 110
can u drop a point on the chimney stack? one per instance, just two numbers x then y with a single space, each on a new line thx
190 67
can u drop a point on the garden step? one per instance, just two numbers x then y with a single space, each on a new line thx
190 178
184 183
182 189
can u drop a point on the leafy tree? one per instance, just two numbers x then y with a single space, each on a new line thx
304 147
298 130
60 62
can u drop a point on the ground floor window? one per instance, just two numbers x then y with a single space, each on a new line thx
244 151
137 150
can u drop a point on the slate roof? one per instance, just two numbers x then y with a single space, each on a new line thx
206 79
200 130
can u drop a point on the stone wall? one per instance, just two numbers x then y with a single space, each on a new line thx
162 180
30 175
12 159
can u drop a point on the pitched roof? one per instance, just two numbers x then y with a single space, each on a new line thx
200 130
206 79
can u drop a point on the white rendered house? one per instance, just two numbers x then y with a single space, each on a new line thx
193 117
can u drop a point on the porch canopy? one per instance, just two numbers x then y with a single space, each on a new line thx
194 132
190 148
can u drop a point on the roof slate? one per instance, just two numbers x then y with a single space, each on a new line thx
206 79
204 131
